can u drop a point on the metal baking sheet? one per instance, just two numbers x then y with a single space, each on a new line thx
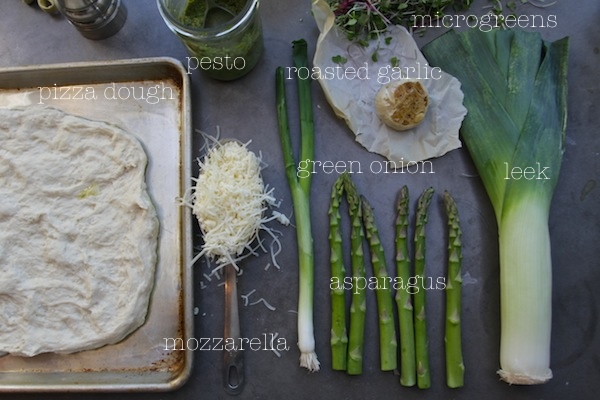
150 99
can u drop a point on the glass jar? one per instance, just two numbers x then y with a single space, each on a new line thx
224 48
94 19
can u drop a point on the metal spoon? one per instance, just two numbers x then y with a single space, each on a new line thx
218 14
233 360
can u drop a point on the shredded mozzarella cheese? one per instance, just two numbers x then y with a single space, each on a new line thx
273 337
246 296
266 303
229 200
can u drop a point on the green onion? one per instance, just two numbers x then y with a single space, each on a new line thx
515 87
300 190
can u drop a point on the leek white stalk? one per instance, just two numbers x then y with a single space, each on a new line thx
515 87
525 292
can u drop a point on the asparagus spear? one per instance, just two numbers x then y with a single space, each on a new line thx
403 296
455 368
421 343
339 338
387 330
358 305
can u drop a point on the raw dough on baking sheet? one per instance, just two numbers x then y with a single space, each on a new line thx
78 233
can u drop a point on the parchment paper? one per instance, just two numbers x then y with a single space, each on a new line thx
352 95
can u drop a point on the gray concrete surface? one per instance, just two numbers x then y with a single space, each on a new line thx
245 109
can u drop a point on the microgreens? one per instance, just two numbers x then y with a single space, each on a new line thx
365 20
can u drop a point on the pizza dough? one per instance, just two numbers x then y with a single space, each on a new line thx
78 233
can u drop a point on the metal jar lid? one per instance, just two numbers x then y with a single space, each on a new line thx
95 19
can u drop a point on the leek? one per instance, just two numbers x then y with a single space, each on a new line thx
300 190
515 87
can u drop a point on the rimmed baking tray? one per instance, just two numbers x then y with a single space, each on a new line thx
150 98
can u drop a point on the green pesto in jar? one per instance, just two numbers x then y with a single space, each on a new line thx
243 46
195 10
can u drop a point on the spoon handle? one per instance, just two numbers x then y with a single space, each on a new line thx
233 360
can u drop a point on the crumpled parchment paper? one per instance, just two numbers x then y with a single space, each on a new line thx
352 97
